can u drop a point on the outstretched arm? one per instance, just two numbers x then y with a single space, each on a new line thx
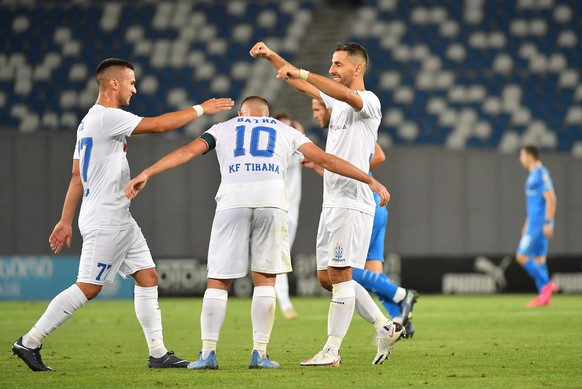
169 161
337 165
174 120
260 50
328 86
312 165
63 231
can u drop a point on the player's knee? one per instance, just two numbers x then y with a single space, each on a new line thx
324 280
146 278
521 259
90 290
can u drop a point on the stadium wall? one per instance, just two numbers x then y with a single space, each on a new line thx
444 203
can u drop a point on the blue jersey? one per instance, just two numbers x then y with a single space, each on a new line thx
534 242
376 249
537 183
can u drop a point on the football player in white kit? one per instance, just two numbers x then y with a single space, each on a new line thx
250 223
293 183
343 245
112 241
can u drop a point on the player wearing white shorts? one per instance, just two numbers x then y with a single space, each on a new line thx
253 151
341 246
112 241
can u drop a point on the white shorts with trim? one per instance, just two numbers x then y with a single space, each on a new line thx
106 252
343 238
240 234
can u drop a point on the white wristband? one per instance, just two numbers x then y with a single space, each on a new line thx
303 74
199 110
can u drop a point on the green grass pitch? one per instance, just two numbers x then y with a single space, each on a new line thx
460 342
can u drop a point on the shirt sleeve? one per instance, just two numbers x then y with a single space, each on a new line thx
117 122
370 105
327 100
213 131
546 181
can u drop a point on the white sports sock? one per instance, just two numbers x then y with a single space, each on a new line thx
365 305
367 308
212 318
263 317
59 310
282 289
149 316
341 310
399 295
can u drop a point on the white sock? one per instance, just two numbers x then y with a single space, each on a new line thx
367 308
263 317
399 295
341 310
212 318
365 305
149 316
59 310
282 289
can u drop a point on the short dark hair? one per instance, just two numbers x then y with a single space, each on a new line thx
109 62
282 115
256 98
532 150
354 49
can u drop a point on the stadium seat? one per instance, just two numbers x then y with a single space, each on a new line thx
486 73
184 52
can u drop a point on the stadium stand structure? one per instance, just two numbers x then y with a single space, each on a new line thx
185 52
476 73
453 73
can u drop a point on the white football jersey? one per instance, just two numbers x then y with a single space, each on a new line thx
253 153
101 150
293 183
352 136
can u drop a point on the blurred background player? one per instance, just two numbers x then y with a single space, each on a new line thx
398 301
293 183
341 246
253 150
539 225
112 240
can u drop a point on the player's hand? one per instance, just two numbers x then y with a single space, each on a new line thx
61 235
135 186
260 50
381 190
288 72
216 105
548 231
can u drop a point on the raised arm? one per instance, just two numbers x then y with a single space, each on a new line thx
173 120
169 161
63 231
260 50
337 165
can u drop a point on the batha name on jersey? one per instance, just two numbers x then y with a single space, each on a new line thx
254 167
256 120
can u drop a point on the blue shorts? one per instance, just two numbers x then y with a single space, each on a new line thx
376 249
534 243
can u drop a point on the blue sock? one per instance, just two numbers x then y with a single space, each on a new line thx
536 273
377 283
546 275
391 307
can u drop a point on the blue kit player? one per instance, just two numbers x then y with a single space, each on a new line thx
539 225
